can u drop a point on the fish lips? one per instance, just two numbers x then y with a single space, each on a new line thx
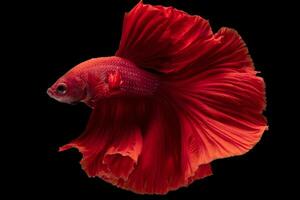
50 93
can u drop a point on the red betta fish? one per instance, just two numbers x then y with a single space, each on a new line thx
174 97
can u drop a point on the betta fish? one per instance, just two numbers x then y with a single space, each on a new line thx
173 98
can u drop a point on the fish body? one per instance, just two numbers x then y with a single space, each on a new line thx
103 77
173 98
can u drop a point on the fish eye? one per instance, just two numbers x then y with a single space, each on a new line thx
61 88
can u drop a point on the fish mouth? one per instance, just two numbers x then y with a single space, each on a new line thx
53 95
50 92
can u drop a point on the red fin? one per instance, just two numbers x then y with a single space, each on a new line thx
111 143
134 144
121 157
220 101
215 88
114 79
164 158
164 39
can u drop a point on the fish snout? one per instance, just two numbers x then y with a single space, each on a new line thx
50 92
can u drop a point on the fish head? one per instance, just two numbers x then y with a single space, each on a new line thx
69 89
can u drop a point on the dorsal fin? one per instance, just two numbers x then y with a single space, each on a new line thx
161 37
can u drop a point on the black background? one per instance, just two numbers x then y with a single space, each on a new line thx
55 37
